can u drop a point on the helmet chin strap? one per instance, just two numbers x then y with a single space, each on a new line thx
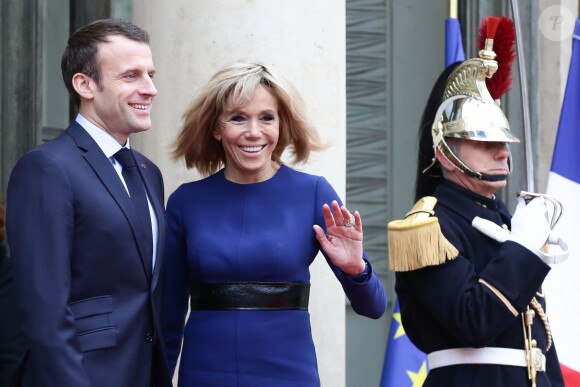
481 175
487 177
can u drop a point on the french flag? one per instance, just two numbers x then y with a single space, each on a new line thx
562 286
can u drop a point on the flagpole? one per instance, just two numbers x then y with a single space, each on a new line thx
453 9
525 103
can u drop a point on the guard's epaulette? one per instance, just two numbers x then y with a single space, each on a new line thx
417 241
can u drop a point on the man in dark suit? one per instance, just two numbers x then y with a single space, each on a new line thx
87 253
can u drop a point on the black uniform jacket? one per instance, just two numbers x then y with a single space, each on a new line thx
446 306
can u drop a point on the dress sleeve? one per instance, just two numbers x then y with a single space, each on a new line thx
368 297
176 287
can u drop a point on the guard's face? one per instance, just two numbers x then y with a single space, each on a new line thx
484 156
249 134
121 104
481 156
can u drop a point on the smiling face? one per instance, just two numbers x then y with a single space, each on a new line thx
481 156
249 134
121 103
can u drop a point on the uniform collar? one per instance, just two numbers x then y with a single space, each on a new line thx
469 204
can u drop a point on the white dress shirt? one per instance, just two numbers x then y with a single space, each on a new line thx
110 146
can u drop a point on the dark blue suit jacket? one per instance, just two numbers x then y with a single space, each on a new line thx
88 303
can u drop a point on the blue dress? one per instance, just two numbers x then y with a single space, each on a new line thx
220 231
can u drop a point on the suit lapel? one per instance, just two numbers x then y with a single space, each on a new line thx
110 179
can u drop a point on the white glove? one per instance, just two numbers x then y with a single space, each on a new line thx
530 227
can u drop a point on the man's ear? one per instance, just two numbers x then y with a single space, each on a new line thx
84 85
445 164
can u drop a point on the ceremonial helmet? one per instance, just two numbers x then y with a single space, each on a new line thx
469 111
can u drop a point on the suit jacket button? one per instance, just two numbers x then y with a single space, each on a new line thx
149 337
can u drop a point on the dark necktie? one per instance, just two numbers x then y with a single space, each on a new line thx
136 189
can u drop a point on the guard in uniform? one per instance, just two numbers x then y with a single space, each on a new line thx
471 301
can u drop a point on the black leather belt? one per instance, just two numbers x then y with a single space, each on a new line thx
250 296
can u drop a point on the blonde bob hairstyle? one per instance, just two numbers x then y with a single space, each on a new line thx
230 88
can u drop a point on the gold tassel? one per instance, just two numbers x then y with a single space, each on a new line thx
417 241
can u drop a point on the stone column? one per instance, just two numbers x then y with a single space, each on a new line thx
304 41
20 104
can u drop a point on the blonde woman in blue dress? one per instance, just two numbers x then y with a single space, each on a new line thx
241 240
